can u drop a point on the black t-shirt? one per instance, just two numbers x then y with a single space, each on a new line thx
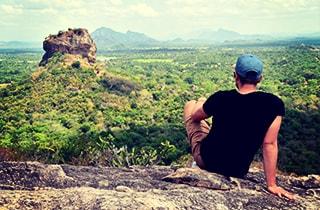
240 122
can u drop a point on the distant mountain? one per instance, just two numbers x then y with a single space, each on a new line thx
309 35
219 35
20 45
107 38
222 35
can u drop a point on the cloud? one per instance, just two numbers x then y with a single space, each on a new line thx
244 8
40 17
116 2
186 2
143 10
11 9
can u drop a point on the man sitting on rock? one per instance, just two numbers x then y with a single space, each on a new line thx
243 120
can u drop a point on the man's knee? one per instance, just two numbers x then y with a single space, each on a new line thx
202 99
189 104
188 108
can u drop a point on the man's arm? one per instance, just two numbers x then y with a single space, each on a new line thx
198 113
270 156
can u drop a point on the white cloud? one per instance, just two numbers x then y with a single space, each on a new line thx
143 10
248 8
186 2
11 9
116 2
40 17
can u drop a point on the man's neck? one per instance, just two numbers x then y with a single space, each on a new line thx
247 88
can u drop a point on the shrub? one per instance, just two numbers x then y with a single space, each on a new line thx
76 65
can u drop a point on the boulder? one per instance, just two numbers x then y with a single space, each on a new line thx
73 41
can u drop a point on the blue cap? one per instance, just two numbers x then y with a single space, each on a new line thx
249 63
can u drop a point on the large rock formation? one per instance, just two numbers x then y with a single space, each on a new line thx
32 185
73 41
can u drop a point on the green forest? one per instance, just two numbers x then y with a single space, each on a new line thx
127 108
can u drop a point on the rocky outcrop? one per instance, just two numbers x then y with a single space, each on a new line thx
32 185
73 41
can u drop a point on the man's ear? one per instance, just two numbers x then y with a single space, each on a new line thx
236 76
260 78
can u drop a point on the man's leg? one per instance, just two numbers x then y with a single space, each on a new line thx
196 131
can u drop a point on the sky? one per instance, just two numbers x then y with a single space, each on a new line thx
33 20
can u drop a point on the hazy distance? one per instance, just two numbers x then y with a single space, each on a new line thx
32 20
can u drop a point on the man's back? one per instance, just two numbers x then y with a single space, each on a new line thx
240 122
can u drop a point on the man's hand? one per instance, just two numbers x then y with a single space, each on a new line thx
279 191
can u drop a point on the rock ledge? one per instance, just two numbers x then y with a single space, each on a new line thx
33 185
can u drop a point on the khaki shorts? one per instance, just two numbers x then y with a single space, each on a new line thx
196 132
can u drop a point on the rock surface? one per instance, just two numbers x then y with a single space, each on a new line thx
73 41
32 185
